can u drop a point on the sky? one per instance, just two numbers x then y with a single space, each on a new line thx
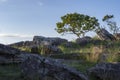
20 20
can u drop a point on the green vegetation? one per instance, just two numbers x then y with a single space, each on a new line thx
81 57
10 72
92 51
77 24
112 25
81 66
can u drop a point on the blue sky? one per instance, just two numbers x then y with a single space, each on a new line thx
22 19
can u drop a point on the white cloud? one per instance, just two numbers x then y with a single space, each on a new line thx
16 35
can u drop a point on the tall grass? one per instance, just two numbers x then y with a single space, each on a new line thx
95 50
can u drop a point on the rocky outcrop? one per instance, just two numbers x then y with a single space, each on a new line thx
46 44
36 67
69 44
23 43
84 40
105 71
40 68
51 41
9 55
105 35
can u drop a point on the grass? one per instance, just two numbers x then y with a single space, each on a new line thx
9 72
82 66
95 48
88 54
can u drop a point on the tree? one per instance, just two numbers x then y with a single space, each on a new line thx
112 24
77 24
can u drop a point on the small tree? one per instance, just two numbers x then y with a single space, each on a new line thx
77 24
112 24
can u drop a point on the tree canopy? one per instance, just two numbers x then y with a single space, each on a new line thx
112 24
77 24
107 17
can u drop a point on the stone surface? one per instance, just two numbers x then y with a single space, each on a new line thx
49 40
49 45
84 40
68 44
39 68
105 35
23 43
9 55
36 67
105 71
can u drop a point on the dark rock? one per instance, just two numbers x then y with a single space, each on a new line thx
84 40
6 50
39 68
68 44
9 55
105 71
47 44
36 67
38 39
23 44
51 41
105 35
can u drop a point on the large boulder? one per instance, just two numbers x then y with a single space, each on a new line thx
105 35
105 71
51 41
39 68
36 67
38 39
84 40
9 55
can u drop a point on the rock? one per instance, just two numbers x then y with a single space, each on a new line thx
36 67
51 44
6 50
51 41
39 68
84 40
105 35
9 55
68 44
38 38
48 49
105 71
23 44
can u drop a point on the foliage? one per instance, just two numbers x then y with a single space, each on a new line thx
112 24
77 24
93 51
106 17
